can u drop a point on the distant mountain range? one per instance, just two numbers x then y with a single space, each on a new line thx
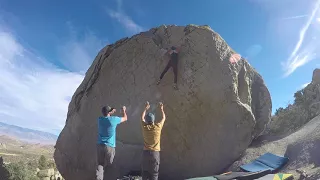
27 135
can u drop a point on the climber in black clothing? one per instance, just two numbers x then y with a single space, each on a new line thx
173 62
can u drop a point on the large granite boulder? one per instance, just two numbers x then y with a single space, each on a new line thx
219 109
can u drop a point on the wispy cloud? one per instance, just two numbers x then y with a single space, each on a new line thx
296 17
78 52
124 19
302 54
30 87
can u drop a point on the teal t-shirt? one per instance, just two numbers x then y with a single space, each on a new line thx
107 130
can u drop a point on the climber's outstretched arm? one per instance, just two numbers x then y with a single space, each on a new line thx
144 111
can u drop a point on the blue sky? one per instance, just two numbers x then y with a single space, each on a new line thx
47 46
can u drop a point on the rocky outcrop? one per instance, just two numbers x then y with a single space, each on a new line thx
305 107
302 148
316 76
294 133
312 98
213 117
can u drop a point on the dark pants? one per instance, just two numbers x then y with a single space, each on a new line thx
105 157
150 165
174 65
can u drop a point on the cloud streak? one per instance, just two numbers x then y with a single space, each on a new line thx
33 93
302 55
78 52
124 19
296 17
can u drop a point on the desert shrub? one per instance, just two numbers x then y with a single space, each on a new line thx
294 116
43 163
52 164
21 171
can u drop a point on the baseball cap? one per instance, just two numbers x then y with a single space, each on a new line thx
107 109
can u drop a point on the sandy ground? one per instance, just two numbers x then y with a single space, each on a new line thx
302 148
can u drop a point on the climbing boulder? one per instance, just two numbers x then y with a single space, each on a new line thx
219 108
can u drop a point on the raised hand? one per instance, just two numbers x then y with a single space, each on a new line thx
147 105
161 105
124 108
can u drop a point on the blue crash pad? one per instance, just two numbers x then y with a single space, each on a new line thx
203 178
267 161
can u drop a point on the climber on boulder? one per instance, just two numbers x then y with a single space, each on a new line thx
173 62
106 144
151 131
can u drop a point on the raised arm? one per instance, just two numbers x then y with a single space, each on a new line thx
163 114
144 111
124 115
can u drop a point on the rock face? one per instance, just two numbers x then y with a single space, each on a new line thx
302 148
213 117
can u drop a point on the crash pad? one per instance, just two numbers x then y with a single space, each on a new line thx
130 178
268 161
242 175
235 175
203 178
279 176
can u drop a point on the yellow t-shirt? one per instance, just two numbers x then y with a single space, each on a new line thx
152 135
